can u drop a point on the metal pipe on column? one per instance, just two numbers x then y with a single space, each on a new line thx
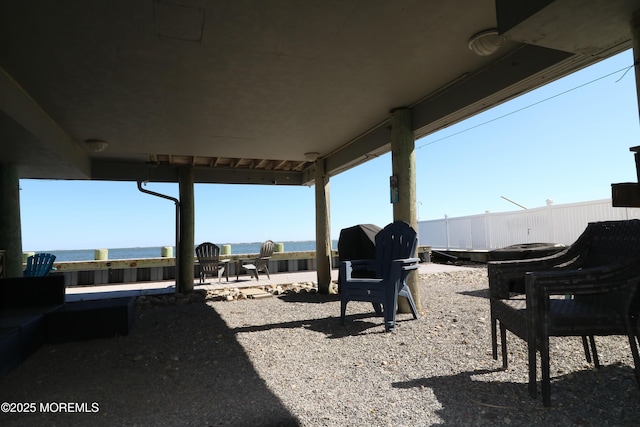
177 203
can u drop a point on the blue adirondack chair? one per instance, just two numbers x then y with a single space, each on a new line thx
395 245
39 265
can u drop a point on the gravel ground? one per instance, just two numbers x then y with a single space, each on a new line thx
286 360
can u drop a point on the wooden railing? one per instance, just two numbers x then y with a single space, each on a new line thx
100 272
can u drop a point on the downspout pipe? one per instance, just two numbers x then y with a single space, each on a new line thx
177 203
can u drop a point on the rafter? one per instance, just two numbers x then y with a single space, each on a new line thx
280 164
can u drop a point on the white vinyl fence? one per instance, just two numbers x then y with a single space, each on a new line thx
549 224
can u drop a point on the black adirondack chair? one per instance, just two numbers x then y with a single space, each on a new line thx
395 247
210 263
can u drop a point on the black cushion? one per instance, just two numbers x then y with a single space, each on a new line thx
90 320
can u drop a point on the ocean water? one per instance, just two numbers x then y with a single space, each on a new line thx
155 251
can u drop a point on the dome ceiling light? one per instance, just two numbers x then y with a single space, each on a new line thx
96 145
486 42
311 157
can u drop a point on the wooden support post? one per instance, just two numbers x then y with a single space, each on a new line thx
185 273
323 235
635 39
404 171
636 156
627 194
10 228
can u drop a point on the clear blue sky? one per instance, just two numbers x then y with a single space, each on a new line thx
547 144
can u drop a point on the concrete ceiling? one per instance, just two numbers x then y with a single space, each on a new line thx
242 89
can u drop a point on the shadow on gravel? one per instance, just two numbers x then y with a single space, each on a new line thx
479 293
308 297
330 326
609 395
180 365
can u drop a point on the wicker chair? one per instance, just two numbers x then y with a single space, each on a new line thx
603 303
588 289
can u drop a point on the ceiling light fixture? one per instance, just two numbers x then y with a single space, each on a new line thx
311 157
486 42
96 145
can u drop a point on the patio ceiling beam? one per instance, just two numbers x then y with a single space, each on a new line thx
23 119
518 72
130 171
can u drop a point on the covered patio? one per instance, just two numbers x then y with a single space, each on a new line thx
266 92
287 361
286 93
